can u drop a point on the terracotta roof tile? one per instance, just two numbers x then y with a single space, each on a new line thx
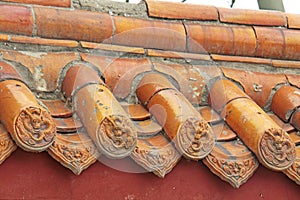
285 63
8 72
285 126
6 143
180 55
136 112
42 41
44 67
295 119
294 79
223 132
257 85
285 101
256 129
76 151
4 37
241 59
16 19
232 162
110 47
252 17
74 25
59 3
57 108
174 10
147 128
149 34
295 137
156 154
270 42
67 125
21 113
221 39
292 44
293 20
209 114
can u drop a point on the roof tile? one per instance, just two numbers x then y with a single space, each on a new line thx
180 55
74 25
285 126
292 44
285 63
242 59
294 79
21 113
149 34
43 41
295 119
74 151
57 108
293 172
136 112
6 143
147 128
209 114
110 47
293 20
174 10
59 3
252 17
221 39
16 19
223 132
285 100
256 84
44 67
270 42
4 37
232 161
67 125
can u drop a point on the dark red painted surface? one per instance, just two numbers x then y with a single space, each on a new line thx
37 176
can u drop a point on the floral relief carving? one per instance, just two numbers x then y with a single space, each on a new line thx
195 138
160 161
35 129
277 148
236 172
76 152
7 146
116 136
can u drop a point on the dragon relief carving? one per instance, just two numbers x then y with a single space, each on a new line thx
235 172
195 138
293 172
76 156
277 149
35 129
7 146
160 161
116 136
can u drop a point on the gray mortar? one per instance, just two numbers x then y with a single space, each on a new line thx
113 8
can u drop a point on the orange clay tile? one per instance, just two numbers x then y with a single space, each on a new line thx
105 120
220 39
7 146
136 112
119 79
209 114
16 19
180 55
270 42
182 123
286 63
292 44
7 71
74 151
42 41
223 132
295 136
232 161
57 108
147 128
242 59
67 125
174 10
156 154
149 34
74 25
294 171
150 85
77 77
285 101
29 124
293 20
101 114
114 48
285 126
256 84
223 92
44 67
295 119
4 37
270 143
293 79
252 17
59 3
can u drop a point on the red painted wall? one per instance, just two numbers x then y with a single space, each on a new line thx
37 176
